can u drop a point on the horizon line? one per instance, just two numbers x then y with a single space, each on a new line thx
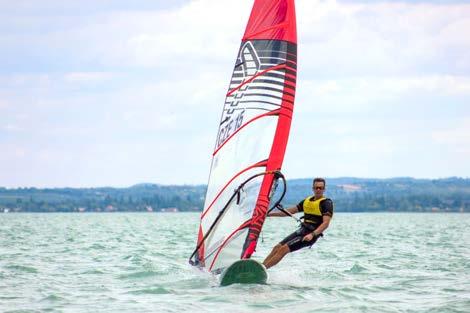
205 184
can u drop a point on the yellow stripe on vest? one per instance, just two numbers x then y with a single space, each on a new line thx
313 207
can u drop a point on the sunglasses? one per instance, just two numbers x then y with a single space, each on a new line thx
318 188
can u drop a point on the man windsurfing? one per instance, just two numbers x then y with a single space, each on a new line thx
318 212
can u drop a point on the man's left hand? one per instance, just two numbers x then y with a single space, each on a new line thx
309 237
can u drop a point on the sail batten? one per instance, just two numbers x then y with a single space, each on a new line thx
252 136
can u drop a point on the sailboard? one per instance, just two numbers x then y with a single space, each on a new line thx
251 139
247 271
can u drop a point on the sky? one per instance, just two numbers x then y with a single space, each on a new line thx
115 93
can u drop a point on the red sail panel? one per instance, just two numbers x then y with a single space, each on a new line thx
272 20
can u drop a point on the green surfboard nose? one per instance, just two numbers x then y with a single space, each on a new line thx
244 272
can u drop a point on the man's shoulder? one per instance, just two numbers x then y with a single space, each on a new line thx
327 204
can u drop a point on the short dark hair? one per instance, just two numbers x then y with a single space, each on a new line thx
319 180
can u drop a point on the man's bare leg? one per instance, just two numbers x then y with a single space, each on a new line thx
272 253
276 255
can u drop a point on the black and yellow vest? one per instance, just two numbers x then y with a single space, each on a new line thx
312 212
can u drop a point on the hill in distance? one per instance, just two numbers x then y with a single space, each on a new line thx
350 194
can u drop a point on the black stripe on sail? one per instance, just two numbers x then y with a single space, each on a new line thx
270 45
289 94
276 75
272 61
292 48
265 95
268 81
275 48
291 80
261 101
281 55
289 85
288 71
291 64
265 88
268 66
253 108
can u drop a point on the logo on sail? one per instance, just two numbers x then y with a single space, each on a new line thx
248 66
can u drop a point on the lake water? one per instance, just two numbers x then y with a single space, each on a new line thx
137 262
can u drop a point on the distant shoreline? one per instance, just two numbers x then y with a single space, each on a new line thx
349 194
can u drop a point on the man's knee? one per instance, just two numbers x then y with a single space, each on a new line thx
284 249
281 249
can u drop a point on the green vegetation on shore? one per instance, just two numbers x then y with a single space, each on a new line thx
349 194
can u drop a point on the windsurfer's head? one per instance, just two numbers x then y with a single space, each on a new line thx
318 186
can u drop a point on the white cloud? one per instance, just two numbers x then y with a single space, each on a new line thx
327 87
361 94
335 39
88 77
12 128
190 34
25 80
383 38
443 84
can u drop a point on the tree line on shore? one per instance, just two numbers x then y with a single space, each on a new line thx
349 195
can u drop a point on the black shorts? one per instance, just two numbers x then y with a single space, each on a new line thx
294 240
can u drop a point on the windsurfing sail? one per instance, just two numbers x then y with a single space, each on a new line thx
252 137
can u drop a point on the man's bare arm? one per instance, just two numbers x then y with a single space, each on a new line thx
323 226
